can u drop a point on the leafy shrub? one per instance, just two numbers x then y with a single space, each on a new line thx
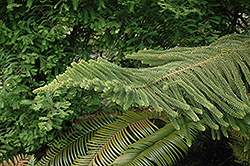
39 39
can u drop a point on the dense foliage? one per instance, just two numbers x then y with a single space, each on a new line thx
209 83
38 39
127 139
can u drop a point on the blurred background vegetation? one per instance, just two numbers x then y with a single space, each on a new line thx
40 38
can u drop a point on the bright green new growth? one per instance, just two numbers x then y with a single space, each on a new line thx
209 83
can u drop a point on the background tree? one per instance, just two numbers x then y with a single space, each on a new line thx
39 39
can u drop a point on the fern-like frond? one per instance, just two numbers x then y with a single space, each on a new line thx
113 138
210 83
185 56
19 160
7 60
164 147
131 138
65 150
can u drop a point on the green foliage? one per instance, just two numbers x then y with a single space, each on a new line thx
240 146
58 111
26 61
74 142
38 39
196 22
209 83
131 138
27 128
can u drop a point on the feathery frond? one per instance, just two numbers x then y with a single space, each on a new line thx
210 83
113 138
65 150
132 138
164 147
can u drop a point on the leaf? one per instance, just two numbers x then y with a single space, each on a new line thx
74 142
75 4
29 3
211 81
159 148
